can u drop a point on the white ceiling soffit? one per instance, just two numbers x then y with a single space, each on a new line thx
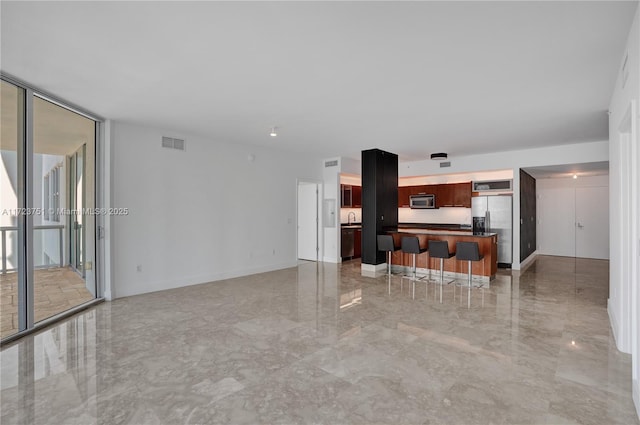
568 170
335 77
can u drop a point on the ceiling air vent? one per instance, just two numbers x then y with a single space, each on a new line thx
171 143
332 163
445 164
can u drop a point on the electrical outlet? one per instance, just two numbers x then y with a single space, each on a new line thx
88 265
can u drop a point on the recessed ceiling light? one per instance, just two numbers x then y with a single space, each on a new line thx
575 176
273 132
440 156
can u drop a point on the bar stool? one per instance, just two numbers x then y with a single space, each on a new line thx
440 249
411 245
385 243
468 251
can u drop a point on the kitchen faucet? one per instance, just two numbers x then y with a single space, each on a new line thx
349 217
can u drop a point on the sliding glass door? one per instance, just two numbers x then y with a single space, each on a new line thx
49 229
12 275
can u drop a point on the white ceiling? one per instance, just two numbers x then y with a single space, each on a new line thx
568 170
336 77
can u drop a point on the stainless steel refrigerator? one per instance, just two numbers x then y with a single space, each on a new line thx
498 218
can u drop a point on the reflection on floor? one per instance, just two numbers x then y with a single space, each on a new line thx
56 290
322 344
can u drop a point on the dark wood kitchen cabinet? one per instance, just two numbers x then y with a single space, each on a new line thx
346 195
351 196
356 196
403 196
423 189
446 196
454 195
357 243
462 195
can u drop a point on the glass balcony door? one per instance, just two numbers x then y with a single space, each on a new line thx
48 200
12 224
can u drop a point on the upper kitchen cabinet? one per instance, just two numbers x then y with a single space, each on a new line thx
351 196
462 195
346 195
403 196
454 195
405 192
447 195
356 196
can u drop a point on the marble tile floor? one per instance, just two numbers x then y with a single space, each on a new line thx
320 344
56 290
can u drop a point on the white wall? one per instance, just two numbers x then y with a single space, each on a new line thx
201 215
331 219
454 215
455 177
624 289
514 160
556 212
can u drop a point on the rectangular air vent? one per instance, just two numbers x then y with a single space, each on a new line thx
445 164
171 143
332 163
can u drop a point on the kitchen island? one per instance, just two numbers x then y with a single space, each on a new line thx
484 270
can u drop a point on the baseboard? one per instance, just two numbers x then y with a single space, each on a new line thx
615 328
197 280
613 321
373 267
636 396
331 260
527 261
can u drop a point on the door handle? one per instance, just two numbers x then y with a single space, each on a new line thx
580 226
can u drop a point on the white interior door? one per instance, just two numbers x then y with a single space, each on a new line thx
308 221
592 222
557 216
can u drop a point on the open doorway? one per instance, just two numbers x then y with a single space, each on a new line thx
572 203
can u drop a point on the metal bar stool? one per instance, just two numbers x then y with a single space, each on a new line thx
411 245
440 249
468 251
385 243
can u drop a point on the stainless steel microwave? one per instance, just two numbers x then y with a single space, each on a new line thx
422 201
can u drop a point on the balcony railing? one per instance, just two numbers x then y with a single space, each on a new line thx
60 246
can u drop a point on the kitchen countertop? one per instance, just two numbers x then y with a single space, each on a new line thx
435 226
351 226
422 231
428 229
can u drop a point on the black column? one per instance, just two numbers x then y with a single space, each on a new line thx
379 201
527 215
